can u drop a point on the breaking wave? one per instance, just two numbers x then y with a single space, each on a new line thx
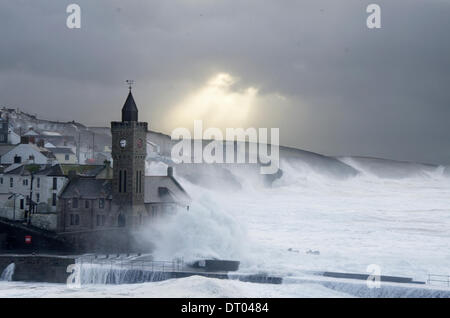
350 211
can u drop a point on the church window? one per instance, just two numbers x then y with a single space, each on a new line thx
125 181
120 181
101 203
75 203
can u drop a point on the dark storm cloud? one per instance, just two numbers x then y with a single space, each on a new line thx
351 90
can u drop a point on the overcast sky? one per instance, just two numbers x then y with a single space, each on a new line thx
310 67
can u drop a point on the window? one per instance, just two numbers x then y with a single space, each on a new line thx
154 211
38 181
101 203
75 203
17 159
100 220
11 182
137 181
125 181
2 137
31 158
21 204
37 197
55 183
54 199
67 157
25 182
120 181
74 219
86 204
1 180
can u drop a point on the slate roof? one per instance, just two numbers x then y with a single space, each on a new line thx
41 170
158 189
6 148
164 189
129 110
83 170
88 188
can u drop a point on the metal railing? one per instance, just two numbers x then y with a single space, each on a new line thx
434 279
131 264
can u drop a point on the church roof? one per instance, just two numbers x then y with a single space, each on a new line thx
129 110
164 189
87 188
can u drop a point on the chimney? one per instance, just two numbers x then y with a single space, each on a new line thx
170 171
24 140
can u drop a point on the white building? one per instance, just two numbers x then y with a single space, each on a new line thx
19 182
13 138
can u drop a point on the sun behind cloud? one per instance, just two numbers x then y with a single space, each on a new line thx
219 103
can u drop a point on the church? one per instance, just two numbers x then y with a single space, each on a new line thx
127 201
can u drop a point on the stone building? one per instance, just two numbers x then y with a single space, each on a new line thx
129 199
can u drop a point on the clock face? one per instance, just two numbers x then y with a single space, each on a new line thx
123 143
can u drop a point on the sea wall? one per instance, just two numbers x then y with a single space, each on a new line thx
38 268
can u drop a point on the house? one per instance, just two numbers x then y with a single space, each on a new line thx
13 137
7 134
64 155
26 152
87 202
31 133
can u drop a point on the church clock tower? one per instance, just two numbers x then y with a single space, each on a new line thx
129 150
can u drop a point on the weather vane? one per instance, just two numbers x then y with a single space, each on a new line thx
130 84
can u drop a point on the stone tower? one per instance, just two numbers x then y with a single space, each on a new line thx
129 150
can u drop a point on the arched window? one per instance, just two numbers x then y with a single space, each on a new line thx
125 181
120 181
